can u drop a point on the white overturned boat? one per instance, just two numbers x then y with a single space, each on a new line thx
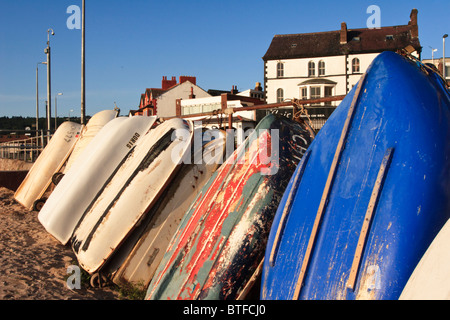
89 174
430 279
134 188
138 264
50 161
88 132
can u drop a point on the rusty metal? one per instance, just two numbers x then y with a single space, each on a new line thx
284 104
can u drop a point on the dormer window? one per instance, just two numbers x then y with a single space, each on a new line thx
389 37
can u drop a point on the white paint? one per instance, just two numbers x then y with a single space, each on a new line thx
431 277
88 174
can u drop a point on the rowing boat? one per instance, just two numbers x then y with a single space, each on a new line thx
221 240
136 186
371 192
50 161
138 265
89 174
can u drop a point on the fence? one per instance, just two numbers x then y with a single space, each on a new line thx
27 149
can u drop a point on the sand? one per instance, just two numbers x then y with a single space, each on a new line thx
33 264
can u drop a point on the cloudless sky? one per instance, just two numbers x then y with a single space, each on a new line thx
131 45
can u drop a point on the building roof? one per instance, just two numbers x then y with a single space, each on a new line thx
324 44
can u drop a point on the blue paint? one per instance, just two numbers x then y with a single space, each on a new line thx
401 107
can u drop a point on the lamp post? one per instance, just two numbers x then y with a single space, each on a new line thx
83 67
49 90
433 50
56 113
37 96
443 57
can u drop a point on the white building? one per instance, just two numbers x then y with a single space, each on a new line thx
322 64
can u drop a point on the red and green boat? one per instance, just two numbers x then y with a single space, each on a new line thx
221 240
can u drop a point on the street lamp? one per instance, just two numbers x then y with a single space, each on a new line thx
56 113
433 50
37 96
49 90
71 110
443 57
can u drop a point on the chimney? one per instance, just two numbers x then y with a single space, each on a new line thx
258 86
234 90
413 24
166 84
343 33
192 95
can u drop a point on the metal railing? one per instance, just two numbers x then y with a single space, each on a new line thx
27 149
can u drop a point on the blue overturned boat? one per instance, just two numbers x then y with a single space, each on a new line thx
371 192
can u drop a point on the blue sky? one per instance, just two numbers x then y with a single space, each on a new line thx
131 45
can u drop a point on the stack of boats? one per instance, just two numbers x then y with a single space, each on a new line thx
357 212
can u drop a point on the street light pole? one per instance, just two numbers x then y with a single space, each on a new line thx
37 96
83 67
443 57
56 113
49 90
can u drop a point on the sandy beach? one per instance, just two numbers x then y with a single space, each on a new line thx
33 265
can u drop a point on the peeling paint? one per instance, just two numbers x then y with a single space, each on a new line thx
222 239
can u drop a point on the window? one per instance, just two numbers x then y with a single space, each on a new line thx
321 68
280 95
304 93
328 93
315 92
280 70
311 69
355 65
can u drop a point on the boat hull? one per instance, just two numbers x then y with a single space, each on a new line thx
431 277
221 239
88 132
137 266
89 174
371 194
50 161
135 187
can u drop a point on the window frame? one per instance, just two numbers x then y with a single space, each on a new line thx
280 69
321 68
311 69
280 97
356 65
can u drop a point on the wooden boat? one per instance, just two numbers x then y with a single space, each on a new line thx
221 240
88 132
90 173
430 279
138 263
51 160
136 185
371 192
